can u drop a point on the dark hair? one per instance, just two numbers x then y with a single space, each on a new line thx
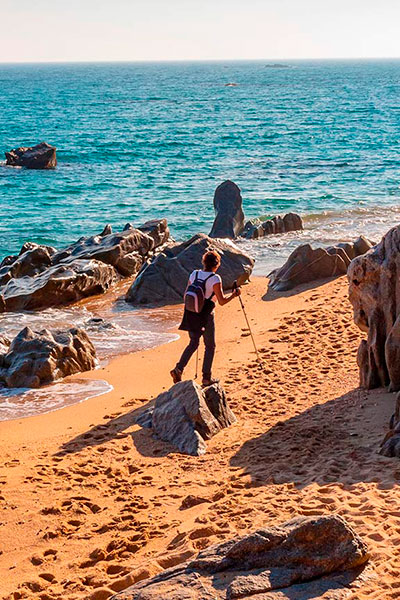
211 259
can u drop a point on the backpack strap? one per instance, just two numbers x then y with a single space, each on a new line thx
206 279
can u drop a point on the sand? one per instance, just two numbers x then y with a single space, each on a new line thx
91 503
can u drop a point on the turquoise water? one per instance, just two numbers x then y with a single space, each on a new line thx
137 141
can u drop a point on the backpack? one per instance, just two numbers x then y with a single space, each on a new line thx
195 294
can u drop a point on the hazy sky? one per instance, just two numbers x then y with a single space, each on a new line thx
79 30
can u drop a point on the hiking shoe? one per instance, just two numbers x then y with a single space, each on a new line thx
176 375
208 382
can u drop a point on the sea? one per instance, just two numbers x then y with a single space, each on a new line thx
137 141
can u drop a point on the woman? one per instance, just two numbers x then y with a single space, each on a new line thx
202 323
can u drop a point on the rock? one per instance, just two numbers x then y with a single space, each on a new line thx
187 415
307 264
33 259
391 443
164 280
375 295
35 358
157 229
273 558
41 156
57 285
256 228
229 220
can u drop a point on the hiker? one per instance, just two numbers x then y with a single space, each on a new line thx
198 317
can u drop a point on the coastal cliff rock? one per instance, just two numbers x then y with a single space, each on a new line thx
307 264
229 219
256 228
187 415
293 560
374 292
58 285
41 156
35 358
41 276
164 280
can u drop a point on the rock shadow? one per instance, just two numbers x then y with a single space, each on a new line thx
271 295
334 442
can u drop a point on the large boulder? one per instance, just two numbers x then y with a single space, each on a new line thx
229 219
41 156
307 264
374 292
256 228
164 280
58 285
35 358
33 259
295 559
187 415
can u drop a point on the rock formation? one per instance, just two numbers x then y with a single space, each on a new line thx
303 558
187 415
374 292
41 156
256 228
307 264
35 358
391 443
164 280
40 276
229 219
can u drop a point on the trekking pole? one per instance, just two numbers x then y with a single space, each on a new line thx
235 287
197 362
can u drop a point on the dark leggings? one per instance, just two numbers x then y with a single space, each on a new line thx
209 341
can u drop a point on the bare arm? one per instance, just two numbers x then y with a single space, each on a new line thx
222 299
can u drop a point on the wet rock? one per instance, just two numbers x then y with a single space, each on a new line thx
375 295
307 264
164 280
35 358
294 558
187 415
229 219
58 285
41 156
33 259
256 228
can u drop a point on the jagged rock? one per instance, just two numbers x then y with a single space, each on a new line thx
375 295
256 228
283 558
187 415
229 220
33 259
307 264
41 156
157 229
57 285
35 358
391 442
164 280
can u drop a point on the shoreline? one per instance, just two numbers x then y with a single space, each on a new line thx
305 443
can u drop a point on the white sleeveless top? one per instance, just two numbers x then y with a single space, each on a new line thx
209 283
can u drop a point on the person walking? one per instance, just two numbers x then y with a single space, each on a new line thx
200 323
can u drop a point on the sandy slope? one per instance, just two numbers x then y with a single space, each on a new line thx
98 503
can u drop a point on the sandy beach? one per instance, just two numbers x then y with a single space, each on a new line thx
91 503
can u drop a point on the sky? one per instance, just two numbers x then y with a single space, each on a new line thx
136 30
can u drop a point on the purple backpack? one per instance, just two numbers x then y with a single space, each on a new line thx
196 294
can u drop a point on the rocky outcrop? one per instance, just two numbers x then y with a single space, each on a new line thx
267 564
41 156
374 292
40 276
35 358
307 264
187 415
164 280
256 228
391 443
229 219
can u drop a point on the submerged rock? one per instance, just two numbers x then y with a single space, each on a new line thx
164 280
374 292
35 358
229 220
256 228
307 264
187 415
41 156
283 558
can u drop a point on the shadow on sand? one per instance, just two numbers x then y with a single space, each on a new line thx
271 295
